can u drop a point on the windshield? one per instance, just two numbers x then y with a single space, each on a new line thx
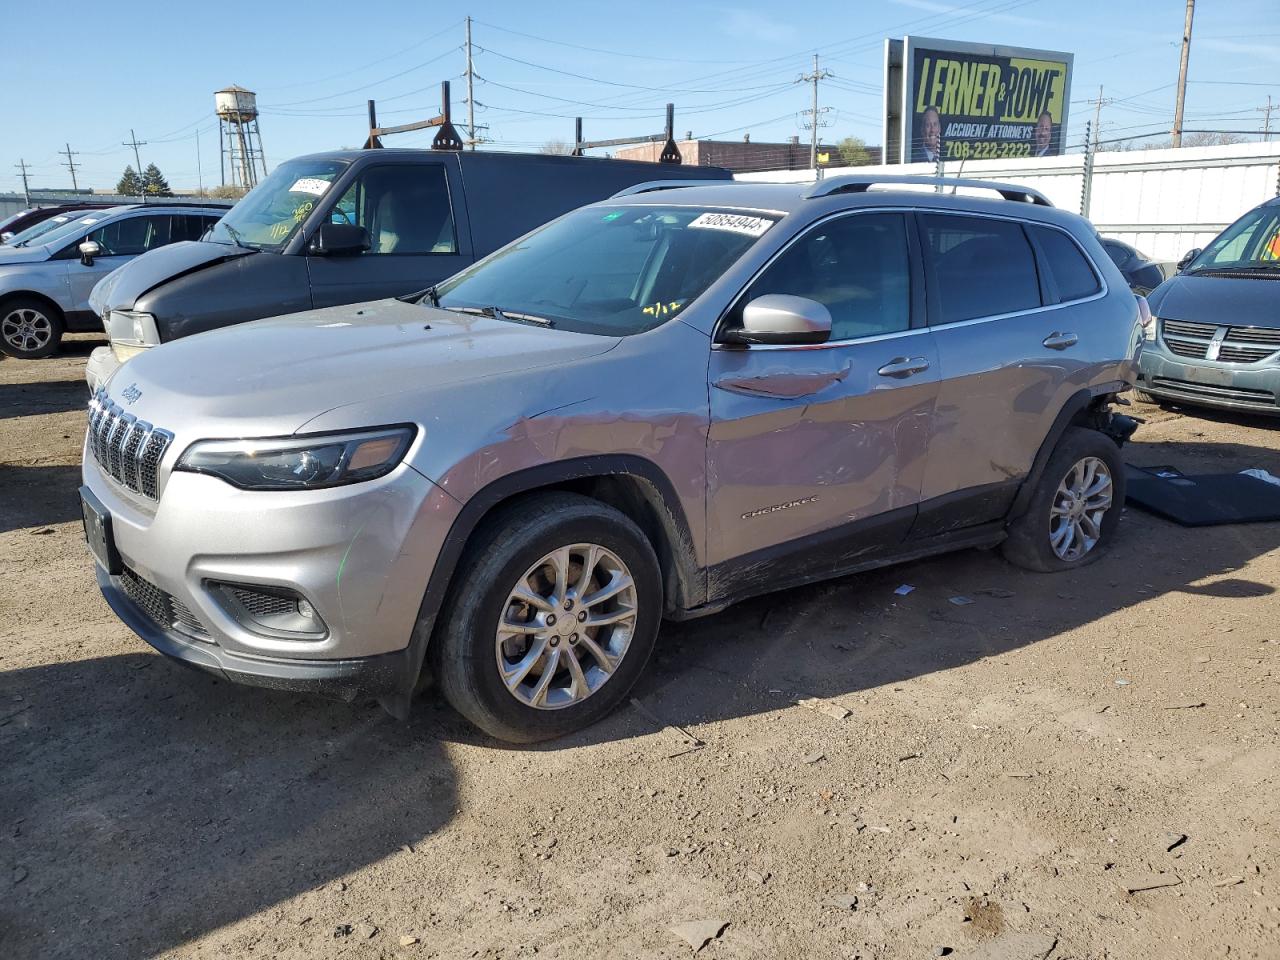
270 214
608 270
55 229
1252 242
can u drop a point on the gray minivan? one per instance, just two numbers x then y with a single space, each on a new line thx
348 226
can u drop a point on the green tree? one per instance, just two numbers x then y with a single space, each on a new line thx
154 183
129 184
853 152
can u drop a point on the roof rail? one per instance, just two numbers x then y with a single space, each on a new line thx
650 186
860 183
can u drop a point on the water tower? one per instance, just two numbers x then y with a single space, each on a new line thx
239 139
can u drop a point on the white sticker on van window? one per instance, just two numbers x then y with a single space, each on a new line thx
733 222
88 220
312 185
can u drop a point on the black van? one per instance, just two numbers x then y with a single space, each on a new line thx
343 227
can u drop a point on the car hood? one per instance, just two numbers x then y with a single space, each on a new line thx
1245 301
270 377
14 255
121 288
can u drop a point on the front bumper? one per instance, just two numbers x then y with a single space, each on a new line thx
1247 387
102 365
383 675
360 555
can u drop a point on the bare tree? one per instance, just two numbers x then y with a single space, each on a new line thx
557 148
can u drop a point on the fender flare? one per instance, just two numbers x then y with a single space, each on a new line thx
1076 404
532 479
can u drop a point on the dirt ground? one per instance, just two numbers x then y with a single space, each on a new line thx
1008 770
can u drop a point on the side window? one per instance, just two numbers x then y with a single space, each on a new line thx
1071 270
1119 255
982 267
131 236
404 207
187 227
857 266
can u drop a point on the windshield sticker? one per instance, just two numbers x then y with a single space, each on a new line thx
312 185
733 222
611 216
663 309
88 220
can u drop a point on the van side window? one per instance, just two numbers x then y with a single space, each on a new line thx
857 266
982 267
405 208
1071 271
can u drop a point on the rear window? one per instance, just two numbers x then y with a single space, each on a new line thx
982 267
1067 265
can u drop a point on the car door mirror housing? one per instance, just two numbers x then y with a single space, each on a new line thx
1188 257
340 240
88 250
780 318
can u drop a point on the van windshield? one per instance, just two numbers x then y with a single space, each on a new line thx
268 216
615 270
1251 243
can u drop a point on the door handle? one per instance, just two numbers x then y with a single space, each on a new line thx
1060 341
903 367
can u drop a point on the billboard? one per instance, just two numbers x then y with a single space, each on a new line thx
973 101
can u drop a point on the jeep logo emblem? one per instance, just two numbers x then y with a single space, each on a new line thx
131 393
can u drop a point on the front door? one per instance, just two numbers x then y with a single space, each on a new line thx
416 239
119 242
816 453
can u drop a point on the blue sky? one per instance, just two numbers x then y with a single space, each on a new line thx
729 67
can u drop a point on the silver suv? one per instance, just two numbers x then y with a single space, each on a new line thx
45 281
651 407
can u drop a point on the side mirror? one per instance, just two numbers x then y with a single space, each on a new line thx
88 250
782 318
340 240
1187 258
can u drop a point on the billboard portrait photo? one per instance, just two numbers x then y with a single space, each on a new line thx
969 101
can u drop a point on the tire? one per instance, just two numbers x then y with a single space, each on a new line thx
507 550
30 328
1032 536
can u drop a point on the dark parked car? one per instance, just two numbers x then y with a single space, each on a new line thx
337 228
1139 271
12 225
1216 340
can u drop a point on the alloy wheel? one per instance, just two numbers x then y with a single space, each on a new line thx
1082 500
566 626
26 329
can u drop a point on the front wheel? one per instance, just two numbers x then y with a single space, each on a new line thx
29 329
554 614
1074 511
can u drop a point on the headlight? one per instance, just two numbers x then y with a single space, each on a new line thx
136 329
1149 331
300 463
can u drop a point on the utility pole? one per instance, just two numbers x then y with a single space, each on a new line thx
199 166
1266 122
26 190
471 95
1097 115
815 112
134 142
71 165
1175 138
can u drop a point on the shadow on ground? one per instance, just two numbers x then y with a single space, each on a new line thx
142 805
46 396
38 496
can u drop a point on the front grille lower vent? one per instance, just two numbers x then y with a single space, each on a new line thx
125 447
166 610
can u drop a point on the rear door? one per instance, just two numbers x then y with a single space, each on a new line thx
410 212
816 453
1011 332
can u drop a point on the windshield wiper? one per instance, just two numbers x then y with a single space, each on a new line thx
497 313
429 294
235 236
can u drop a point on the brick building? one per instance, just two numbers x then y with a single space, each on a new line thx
745 155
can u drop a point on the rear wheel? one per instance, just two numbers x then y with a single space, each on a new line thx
29 328
1074 511
553 616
